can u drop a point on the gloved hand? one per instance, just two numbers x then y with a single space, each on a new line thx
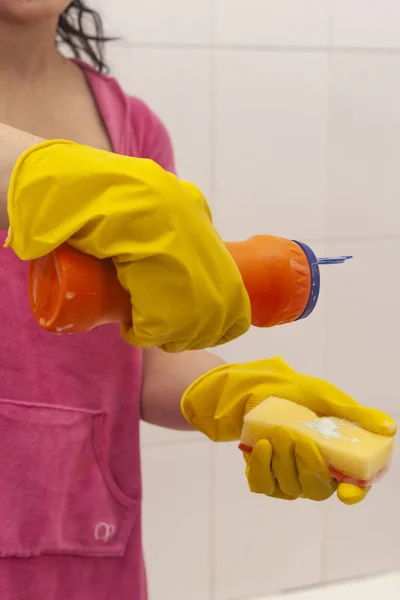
186 290
287 465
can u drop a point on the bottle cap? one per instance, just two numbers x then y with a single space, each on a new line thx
314 264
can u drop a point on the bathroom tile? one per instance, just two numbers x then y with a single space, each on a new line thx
262 545
176 484
363 324
270 117
155 22
371 24
272 22
364 125
152 435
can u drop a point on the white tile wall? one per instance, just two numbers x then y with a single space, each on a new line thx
363 325
366 23
152 435
286 113
158 22
176 484
262 545
270 144
272 23
364 145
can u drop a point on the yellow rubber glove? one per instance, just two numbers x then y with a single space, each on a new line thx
186 290
286 465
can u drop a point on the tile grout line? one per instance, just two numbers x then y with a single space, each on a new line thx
213 178
329 48
212 109
323 512
360 239
353 240
292 593
167 443
212 537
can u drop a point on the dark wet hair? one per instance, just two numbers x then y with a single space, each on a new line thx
80 28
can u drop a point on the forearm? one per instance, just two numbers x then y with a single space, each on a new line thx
13 143
165 379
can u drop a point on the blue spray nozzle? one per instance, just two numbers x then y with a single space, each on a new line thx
337 260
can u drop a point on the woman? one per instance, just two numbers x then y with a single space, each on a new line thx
70 488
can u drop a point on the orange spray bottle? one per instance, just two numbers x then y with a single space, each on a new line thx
73 292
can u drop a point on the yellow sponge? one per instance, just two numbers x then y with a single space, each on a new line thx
353 454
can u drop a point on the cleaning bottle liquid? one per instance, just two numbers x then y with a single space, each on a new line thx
72 292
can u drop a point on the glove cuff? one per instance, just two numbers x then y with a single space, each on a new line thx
217 402
14 239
